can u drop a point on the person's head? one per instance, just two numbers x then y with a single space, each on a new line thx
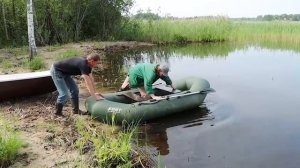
162 69
93 59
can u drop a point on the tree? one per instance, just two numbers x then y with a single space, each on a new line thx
31 39
4 21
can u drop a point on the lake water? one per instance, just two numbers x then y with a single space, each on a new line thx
251 121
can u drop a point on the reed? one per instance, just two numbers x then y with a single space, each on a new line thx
266 31
10 143
217 29
110 149
210 29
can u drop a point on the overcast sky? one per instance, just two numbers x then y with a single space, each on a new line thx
231 8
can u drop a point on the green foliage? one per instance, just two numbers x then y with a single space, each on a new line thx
147 15
210 29
180 39
35 64
111 150
129 29
264 31
59 21
51 48
291 17
18 51
68 54
5 64
10 143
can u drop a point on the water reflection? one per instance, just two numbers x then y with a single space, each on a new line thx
116 65
154 133
163 53
256 100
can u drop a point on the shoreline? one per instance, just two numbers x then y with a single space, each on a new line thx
48 140
12 59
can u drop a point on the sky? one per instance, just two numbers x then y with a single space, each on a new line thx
230 8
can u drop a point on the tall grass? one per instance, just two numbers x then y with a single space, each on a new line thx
110 150
10 143
266 31
6 64
36 63
211 29
68 54
216 29
18 51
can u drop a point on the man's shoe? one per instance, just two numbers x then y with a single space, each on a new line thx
75 105
80 112
59 108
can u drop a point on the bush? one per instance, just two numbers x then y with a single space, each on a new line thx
35 64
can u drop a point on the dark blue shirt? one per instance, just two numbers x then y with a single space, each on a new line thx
73 66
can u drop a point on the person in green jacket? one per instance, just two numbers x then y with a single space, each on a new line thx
143 75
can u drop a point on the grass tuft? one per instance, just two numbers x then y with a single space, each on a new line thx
10 143
110 149
6 64
35 64
68 54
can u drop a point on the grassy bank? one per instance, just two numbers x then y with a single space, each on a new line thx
15 60
111 147
10 143
70 141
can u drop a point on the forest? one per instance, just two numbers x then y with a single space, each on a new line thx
57 21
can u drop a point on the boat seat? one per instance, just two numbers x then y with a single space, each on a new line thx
136 97
163 88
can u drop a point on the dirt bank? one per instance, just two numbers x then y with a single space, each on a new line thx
48 140
11 58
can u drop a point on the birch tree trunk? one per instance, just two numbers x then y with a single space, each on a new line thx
4 21
31 39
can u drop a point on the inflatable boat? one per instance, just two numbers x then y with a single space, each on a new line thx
129 107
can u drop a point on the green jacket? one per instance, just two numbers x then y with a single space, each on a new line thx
143 74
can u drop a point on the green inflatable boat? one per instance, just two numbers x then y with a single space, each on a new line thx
128 107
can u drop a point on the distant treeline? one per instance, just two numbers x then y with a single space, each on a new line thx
288 17
61 21
291 17
149 15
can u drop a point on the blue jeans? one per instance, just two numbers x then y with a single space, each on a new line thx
64 83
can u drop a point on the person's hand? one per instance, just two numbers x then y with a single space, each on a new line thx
143 95
173 88
97 97
157 97
99 94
